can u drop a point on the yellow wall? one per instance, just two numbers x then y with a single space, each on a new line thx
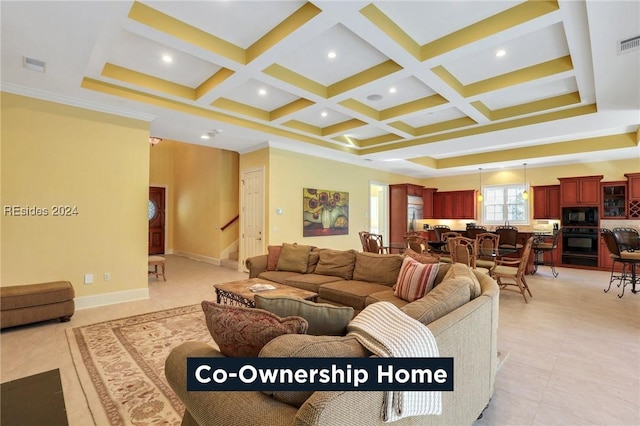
205 199
291 172
53 155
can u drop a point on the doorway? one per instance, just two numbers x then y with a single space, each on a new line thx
156 217
252 213
379 209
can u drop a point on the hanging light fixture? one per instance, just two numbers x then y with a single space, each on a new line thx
525 194
480 197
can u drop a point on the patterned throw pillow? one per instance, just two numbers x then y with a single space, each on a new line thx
272 257
415 279
242 332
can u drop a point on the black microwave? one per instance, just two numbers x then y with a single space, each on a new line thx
580 216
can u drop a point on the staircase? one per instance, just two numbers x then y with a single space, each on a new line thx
231 262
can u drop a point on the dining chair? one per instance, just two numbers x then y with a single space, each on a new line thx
473 231
364 240
416 242
627 259
514 270
542 246
376 245
463 250
445 255
487 244
509 237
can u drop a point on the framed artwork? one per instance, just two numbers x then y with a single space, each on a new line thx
325 212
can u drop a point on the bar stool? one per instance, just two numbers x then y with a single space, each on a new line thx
540 247
156 261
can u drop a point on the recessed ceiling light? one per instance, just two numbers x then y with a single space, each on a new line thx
262 92
374 97
167 58
323 113
500 53
392 90
331 54
204 137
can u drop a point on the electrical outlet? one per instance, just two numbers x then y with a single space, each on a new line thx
107 276
88 278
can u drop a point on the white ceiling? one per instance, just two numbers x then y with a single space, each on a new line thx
77 40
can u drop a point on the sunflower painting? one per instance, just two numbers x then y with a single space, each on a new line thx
325 212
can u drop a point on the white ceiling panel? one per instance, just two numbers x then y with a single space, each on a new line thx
519 95
405 90
249 93
419 120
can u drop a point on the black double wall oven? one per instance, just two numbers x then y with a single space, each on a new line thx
580 236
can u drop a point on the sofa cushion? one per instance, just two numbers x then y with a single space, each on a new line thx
337 263
242 332
420 257
302 346
273 256
294 258
323 319
385 296
377 268
350 293
277 276
462 271
415 279
446 297
310 282
314 256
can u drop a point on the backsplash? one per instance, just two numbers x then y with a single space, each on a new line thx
610 224
535 226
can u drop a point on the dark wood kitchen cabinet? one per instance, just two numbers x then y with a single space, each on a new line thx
614 200
455 204
427 202
580 191
633 195
546 202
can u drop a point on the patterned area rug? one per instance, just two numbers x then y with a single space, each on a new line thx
120 364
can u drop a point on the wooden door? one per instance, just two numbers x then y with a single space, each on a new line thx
156 213
252 213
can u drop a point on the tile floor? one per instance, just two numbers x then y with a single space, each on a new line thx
574 351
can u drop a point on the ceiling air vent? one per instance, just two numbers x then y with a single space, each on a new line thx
33 64
629 44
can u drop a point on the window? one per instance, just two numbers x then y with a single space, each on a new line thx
504 203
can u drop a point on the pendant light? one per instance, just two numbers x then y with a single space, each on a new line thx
525 194
480 197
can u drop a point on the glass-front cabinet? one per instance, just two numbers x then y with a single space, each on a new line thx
614 200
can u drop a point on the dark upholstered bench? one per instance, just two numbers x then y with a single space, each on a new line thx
26 304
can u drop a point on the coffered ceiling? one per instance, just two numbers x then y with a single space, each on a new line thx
422 88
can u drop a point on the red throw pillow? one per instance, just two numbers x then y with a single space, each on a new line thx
415 279
242 332
273 256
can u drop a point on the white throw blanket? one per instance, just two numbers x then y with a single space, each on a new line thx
390 333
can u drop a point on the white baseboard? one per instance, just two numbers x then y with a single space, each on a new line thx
84 302
199 257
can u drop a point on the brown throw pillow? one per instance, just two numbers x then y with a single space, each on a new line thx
377 268
314 256
446 297
336 263
242 332
294 258
420 257
462 271
272 257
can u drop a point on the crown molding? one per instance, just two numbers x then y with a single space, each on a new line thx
74 102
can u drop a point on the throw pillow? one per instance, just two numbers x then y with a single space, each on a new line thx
272 257
314 256
242 332
304 346
324 319
446 297
415 279
336 263
462 271
377 268
294 258
420 257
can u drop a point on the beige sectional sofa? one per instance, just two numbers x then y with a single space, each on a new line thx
465 329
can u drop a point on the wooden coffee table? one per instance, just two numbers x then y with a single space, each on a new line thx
238 293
